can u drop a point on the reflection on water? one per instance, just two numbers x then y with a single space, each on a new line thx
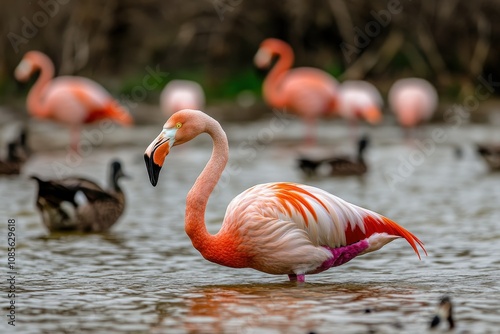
283 307
144 275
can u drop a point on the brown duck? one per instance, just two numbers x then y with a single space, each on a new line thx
490 154
13 162
78 204
345 165
339 165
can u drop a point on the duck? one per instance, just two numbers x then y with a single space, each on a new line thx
14 161
444 312
491 154
339 165
346 165
79 204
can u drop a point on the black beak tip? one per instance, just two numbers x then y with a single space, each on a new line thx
153 170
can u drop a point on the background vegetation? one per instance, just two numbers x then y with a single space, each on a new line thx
213 41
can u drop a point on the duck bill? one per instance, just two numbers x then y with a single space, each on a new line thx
156 152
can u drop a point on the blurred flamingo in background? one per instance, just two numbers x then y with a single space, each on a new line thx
70 100
181 94
360 100
413 100
277 228
307 92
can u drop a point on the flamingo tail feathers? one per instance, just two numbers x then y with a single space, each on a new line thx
118 113
111 110
383 225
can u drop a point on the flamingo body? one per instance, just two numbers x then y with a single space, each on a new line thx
181 94
277 228
289 228
413 100
70 100
307 92
87 101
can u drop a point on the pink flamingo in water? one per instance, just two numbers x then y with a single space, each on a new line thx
277 228
70 100
413 100
307 92
181 94
360 100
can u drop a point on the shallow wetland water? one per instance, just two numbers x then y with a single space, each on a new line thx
145 277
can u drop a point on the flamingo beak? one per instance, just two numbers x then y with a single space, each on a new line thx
157 151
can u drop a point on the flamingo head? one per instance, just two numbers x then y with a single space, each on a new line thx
180 128
25 69
268 49
263 57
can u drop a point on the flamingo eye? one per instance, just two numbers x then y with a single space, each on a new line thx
178 125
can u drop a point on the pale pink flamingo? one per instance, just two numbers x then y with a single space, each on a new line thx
181 94
360 100
413 100
70 100
277 228
307 92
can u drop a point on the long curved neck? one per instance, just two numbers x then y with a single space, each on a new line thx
271 86
35 96
197 198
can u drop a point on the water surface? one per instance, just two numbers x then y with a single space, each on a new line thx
144 275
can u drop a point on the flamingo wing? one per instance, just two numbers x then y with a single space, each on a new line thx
326 219
309 92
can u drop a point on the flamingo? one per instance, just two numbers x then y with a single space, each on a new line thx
181 94
413 100
70 100
277 228
359 99
307 92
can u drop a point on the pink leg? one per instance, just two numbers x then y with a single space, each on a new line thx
409 135
311 131
75 138
354 133
301 278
